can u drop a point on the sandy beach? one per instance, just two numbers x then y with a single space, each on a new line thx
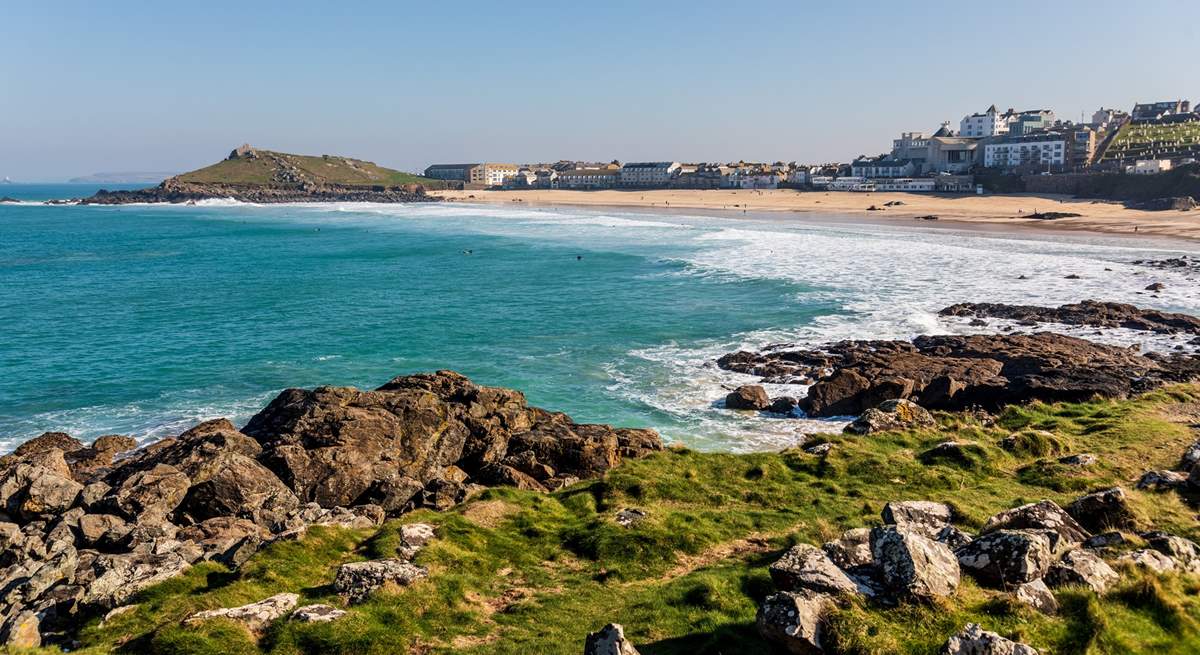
990 210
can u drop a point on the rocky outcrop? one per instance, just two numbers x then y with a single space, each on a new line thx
960 372
609 640
1042 515
1081 568
1090 313
926 518
317 613
1103 510
974 640
83 531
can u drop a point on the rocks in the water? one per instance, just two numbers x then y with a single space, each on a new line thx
974 640
1036 595
1103 510
357 580
794 621
748 396
921 516
898 414
913 566
786 405
1043 515
1081 567
609 640
851 549
808 567
255 616
959 372
316 613
1089 313
1007 558
1161 480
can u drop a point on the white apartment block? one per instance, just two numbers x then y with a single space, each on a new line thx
1044 150
648 174
1151 166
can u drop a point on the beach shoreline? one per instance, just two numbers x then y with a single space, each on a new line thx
987 211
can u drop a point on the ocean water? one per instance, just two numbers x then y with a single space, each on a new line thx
144 320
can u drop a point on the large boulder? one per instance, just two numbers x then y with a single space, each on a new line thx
225 539
1107 509
1081 568
156 491
357 580
255 616
794 621
1007 558
974 640
1036 595
117 578
342 446
609 640
807 567
1151 560
1043 515
38 485
921 516
749 396
892 415
914 566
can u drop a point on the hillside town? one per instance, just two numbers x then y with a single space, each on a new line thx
1152 138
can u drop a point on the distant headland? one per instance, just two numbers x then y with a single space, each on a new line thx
253 175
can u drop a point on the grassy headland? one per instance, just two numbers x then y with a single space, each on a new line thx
266 168
521 572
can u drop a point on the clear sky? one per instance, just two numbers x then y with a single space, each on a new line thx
130 86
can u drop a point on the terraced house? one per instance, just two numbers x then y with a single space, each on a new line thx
647 175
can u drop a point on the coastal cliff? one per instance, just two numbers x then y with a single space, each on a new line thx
262 176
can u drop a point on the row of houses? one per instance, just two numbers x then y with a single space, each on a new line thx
613 175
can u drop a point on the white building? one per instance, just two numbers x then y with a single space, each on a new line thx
1035 150
851 183
882 166
820 181
978 126
1151 166
646 175
744 177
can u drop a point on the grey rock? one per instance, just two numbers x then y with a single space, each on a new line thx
22 631
1191 456
1082 459
609 640
898 414
921 516
119 577
103 530
807 567
913 566
317 613
974 640
156 491
1104 509
1044 515
953 537
631 516
255 616
851 549
1104 540
1161 480
819 449
1037 595
413 538
357 580
1082 568
794 621
1185 552
1007 558
1149 559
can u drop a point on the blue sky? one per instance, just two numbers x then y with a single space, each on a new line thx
121 86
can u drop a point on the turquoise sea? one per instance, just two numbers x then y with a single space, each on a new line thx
144 320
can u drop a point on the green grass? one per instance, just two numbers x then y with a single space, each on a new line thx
326 168
1141 141
518 572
